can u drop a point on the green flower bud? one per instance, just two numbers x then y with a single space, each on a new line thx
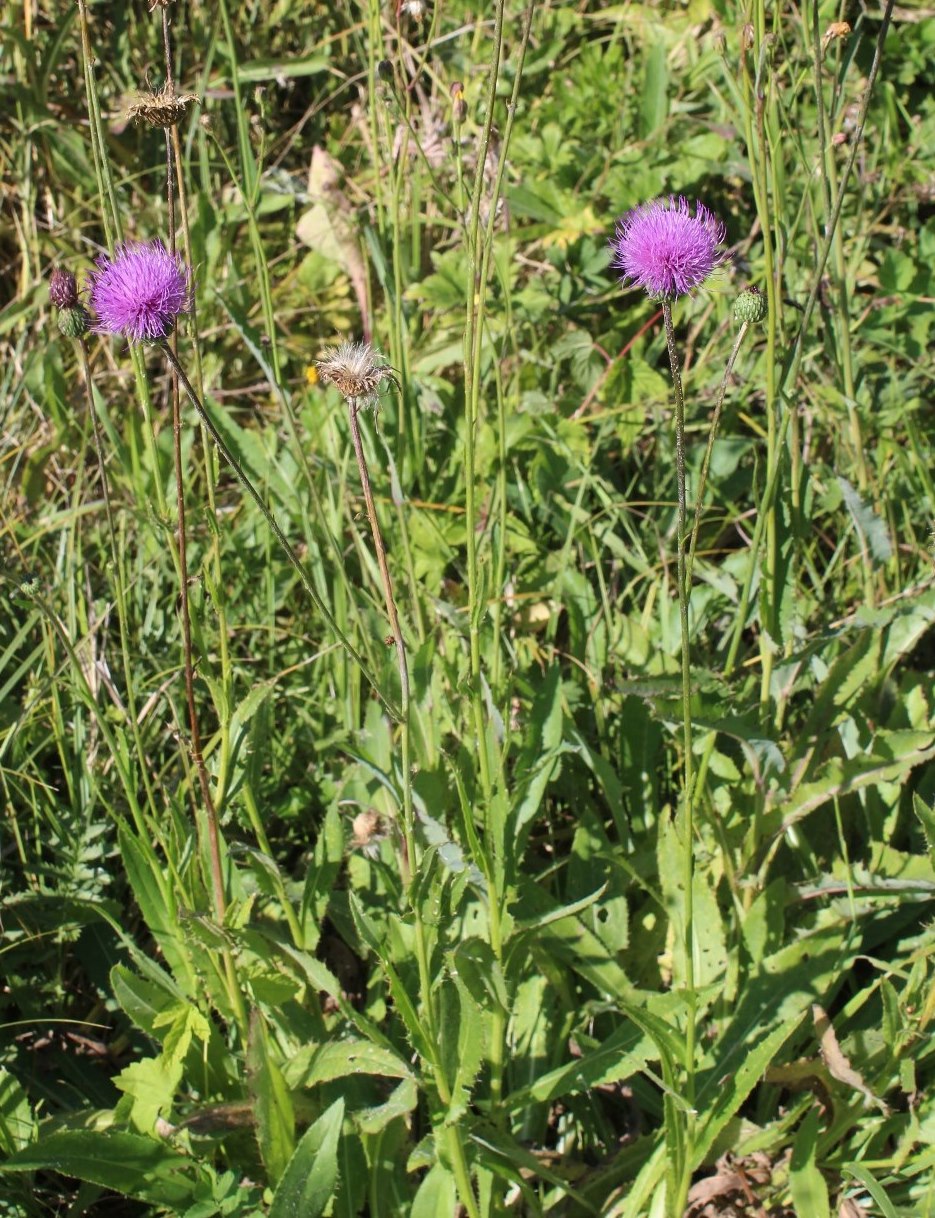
74 322
750 306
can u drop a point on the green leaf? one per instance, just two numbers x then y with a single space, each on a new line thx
402 1100
624 1053
275 1119
806 1183
437 1194
926 817
891 756
873 1187
407 1011
143 869
142 1001
16 1119
125 1162
335 1059
257 70
654 93
309 1181
541 755
463 1036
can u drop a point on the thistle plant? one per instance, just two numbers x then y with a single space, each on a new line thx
669 248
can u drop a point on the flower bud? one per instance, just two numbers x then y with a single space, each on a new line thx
750 306
74 322
63 289
458 104
385 70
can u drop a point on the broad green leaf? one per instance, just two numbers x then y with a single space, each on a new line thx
275 1118
654 93
310 1179
335 1059
128 1163
806 1183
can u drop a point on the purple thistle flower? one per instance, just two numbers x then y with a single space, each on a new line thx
665 249
140 291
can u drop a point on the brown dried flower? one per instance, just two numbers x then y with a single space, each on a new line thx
162 109
354 371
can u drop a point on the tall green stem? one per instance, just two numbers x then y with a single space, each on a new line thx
686 829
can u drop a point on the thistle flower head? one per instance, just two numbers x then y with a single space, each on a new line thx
140 291
63 289
666 249
355 370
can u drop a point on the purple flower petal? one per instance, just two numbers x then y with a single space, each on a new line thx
665 249
140 291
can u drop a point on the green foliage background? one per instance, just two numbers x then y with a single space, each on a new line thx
507 1032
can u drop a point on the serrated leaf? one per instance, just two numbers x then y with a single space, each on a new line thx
310 1179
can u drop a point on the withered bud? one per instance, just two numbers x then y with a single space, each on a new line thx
458 104
163 109
747 37
837 29
63 289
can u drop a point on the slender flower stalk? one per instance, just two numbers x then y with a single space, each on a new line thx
357 372
669 248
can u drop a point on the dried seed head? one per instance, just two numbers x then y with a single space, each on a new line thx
162 109
354 371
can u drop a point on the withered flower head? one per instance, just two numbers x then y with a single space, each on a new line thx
162 109
355 372
63 289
